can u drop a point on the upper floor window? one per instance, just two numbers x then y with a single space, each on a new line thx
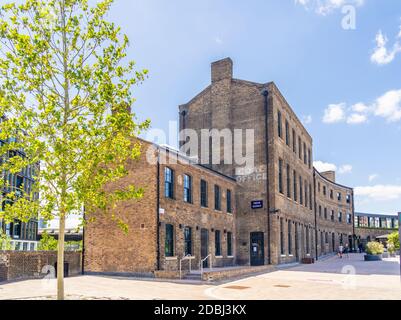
301 191
279 125
340 217
325 213
331 194
169 183
294 141
332 215
229 202
349 218
288 181
318 187
339 196
217 198
324 190
287 133
203 193
187 188
348 198
320 211
280 176
299 148
305 154
309 159
295 185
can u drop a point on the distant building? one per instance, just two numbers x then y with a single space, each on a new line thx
368 226
23 235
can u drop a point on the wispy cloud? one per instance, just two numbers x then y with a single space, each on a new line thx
344 169
322 166
334 113
382 53
379 192
307 119
387 106
373 177
325 7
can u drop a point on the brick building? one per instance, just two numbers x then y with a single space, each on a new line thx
275 213
187 210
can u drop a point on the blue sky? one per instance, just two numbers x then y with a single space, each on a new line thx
345 84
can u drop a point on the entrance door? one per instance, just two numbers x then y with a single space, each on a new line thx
350 244
257 249
296 242
205 246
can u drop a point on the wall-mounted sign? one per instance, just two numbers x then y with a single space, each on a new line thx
257 204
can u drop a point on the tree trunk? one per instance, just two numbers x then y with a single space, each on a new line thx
60 259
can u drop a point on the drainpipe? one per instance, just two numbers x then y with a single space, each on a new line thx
353 220
83 245
158 209
315 205
265 93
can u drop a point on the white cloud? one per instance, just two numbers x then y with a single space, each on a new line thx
334 113
357 118
379 192
388 106
373 176
346 168
218 40
382 54
324 166
324 7
307 119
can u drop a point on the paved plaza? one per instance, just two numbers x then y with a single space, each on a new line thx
333 278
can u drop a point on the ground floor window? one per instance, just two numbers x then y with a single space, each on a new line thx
217 243
188 240
169 245
229 244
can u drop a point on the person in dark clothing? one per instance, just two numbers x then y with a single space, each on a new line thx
360 246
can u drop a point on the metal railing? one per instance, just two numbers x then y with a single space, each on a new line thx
201 264
187 257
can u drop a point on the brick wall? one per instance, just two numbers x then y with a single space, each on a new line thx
19 265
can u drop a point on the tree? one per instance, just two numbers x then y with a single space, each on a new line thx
66 91
47 243
5 241
393 242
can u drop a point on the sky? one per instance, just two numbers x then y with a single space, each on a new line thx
337 62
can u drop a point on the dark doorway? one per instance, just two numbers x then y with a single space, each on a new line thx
66 269
296 242
333 242
205 247
257 249
350 244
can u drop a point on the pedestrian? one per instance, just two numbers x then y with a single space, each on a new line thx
346 251
360 246
340 251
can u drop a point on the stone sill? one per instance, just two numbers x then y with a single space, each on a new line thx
219 257
171 258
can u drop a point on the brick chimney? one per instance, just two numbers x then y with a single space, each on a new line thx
329 175
222 69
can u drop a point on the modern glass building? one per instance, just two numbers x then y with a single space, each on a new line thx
376 221
23 235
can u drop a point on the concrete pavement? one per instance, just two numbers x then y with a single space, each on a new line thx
333 278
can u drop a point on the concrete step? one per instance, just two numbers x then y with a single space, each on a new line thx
192 276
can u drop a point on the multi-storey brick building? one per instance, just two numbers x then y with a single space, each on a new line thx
187 211
275 204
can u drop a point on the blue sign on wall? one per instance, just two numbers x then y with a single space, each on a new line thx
257 204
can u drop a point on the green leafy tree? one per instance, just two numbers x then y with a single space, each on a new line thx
66 91
47 243
393 242
374 248
5 241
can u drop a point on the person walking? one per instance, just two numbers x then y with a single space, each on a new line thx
340 250
360 246
346 250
